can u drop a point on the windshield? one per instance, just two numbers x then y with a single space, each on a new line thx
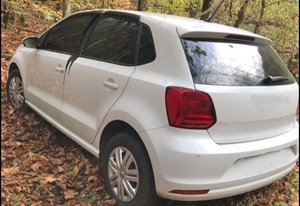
234 63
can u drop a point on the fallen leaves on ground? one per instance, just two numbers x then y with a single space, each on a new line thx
40 165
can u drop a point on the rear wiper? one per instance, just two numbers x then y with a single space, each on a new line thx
273 79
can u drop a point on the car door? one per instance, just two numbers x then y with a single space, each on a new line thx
99 75
47 64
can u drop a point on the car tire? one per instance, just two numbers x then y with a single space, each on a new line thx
127 172
15 91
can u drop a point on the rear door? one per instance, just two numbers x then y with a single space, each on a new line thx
254 94
47 65
99 75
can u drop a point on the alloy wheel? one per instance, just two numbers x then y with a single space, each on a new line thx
123 174
16 92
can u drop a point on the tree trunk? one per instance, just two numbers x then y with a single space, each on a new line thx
205 6
5 19
241 14
261 14
194 9
22 20
142 5
230 8
5 16
66 8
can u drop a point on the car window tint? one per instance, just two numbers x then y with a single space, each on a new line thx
66 35
233 63
146 48
113 40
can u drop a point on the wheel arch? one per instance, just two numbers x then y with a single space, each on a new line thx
118 126
115 127
16 65
13 66
147 191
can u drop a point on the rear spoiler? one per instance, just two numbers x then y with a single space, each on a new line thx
222 33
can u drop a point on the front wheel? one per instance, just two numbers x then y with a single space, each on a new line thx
128 173
15 90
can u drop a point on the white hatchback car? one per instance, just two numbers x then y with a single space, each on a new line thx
175 107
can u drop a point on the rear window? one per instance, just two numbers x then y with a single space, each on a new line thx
233 63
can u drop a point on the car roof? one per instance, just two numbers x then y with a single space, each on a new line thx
188 27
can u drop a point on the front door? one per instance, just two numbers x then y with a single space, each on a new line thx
47 65
45 81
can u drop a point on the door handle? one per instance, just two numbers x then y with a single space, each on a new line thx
59 69
110 84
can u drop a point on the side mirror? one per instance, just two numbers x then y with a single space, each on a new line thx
30 42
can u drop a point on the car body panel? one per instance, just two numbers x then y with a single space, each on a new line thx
251 113
188 27
83 143
191 160
45 76
87 98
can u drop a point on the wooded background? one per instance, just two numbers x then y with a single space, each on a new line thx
40 166
277 20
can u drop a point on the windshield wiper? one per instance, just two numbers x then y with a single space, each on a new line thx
273 79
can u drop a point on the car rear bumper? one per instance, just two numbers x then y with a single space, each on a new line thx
190 160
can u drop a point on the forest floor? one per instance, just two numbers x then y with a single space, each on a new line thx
41 166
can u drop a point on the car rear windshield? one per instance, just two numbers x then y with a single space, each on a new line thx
234 63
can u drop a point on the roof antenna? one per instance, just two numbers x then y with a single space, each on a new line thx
212 16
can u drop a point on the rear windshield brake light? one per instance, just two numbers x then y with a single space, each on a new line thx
239 37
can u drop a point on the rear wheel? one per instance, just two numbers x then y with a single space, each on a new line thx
15 91
128 173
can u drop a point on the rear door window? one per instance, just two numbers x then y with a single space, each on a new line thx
113 40
234 63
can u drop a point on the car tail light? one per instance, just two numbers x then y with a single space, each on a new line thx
190 192
190 109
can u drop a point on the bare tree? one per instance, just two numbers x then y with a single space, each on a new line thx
241 14
205 6
261 14
142 5
66 8
194 8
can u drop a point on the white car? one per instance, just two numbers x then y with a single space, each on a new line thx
174 107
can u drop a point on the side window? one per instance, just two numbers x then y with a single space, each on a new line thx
146 48
66 35
113 40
